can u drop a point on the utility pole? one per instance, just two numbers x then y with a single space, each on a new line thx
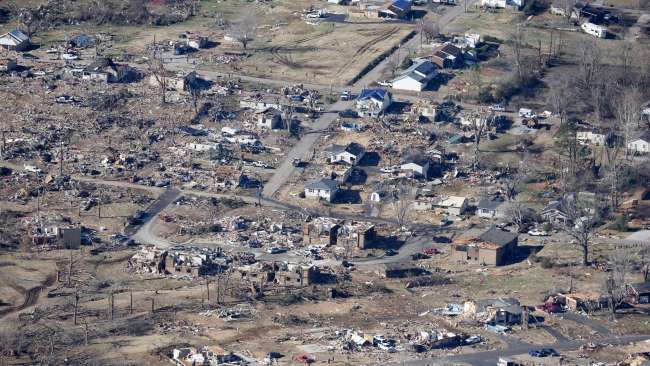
152 305
130 301
207 288
76 304
61 159
86 333
111 301
70 269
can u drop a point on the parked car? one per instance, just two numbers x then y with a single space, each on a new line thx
346 95
303 359
385 83
537 232
497 108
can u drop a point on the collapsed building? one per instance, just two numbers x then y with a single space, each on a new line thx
283 274
186 261
328 231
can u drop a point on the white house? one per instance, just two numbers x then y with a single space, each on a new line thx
503 4
416 77
416 165
326 189
14 40
591 137
372 102
640 143
454 205
594 29
261 103
491 208
350 154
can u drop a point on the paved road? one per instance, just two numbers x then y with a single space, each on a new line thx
303 148
490 358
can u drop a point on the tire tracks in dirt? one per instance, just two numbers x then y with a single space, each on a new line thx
31 296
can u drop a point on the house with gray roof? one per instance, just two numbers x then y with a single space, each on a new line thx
491 208
416 77
326 189
349 154
490 247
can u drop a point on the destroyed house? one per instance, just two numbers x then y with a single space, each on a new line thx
281 274
504 311
8 64
372 102
399 270
105 70
639 293
493 247
356 235
270 118
191 263
321 231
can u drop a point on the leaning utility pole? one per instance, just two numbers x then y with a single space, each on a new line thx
70 269
111 302
130 301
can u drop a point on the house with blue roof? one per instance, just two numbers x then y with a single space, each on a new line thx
14 40
372 102
398 9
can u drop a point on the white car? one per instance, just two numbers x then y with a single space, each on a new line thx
385 83
537 232
69 56
497 108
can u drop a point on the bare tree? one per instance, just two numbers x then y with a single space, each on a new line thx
582 218
518 213
628 115
159 71
479 124
402 199
244 28
644 262
429 30
590 63
617 282
517 40
560 97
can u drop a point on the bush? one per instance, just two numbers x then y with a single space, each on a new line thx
547 262
620 223
406 63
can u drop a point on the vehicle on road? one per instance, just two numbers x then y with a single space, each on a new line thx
497 108
346 95
385 83
348 113
544 352
431 251
276 250
537 232
390 252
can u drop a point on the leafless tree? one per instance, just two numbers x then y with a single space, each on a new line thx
517 39
567 6
560 97
479 123
590 63
616 283
429 30
628 115
160 73
513 178
402 200
31 19
518 213
583 216
244 28
644 262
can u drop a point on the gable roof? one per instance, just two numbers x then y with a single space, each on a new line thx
352 148
644 135
422 71
18 35
494 235
417 159
323 184
490 203
100 65
401 5
376 94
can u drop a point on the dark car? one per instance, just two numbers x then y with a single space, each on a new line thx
390 252
544 352
348 113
